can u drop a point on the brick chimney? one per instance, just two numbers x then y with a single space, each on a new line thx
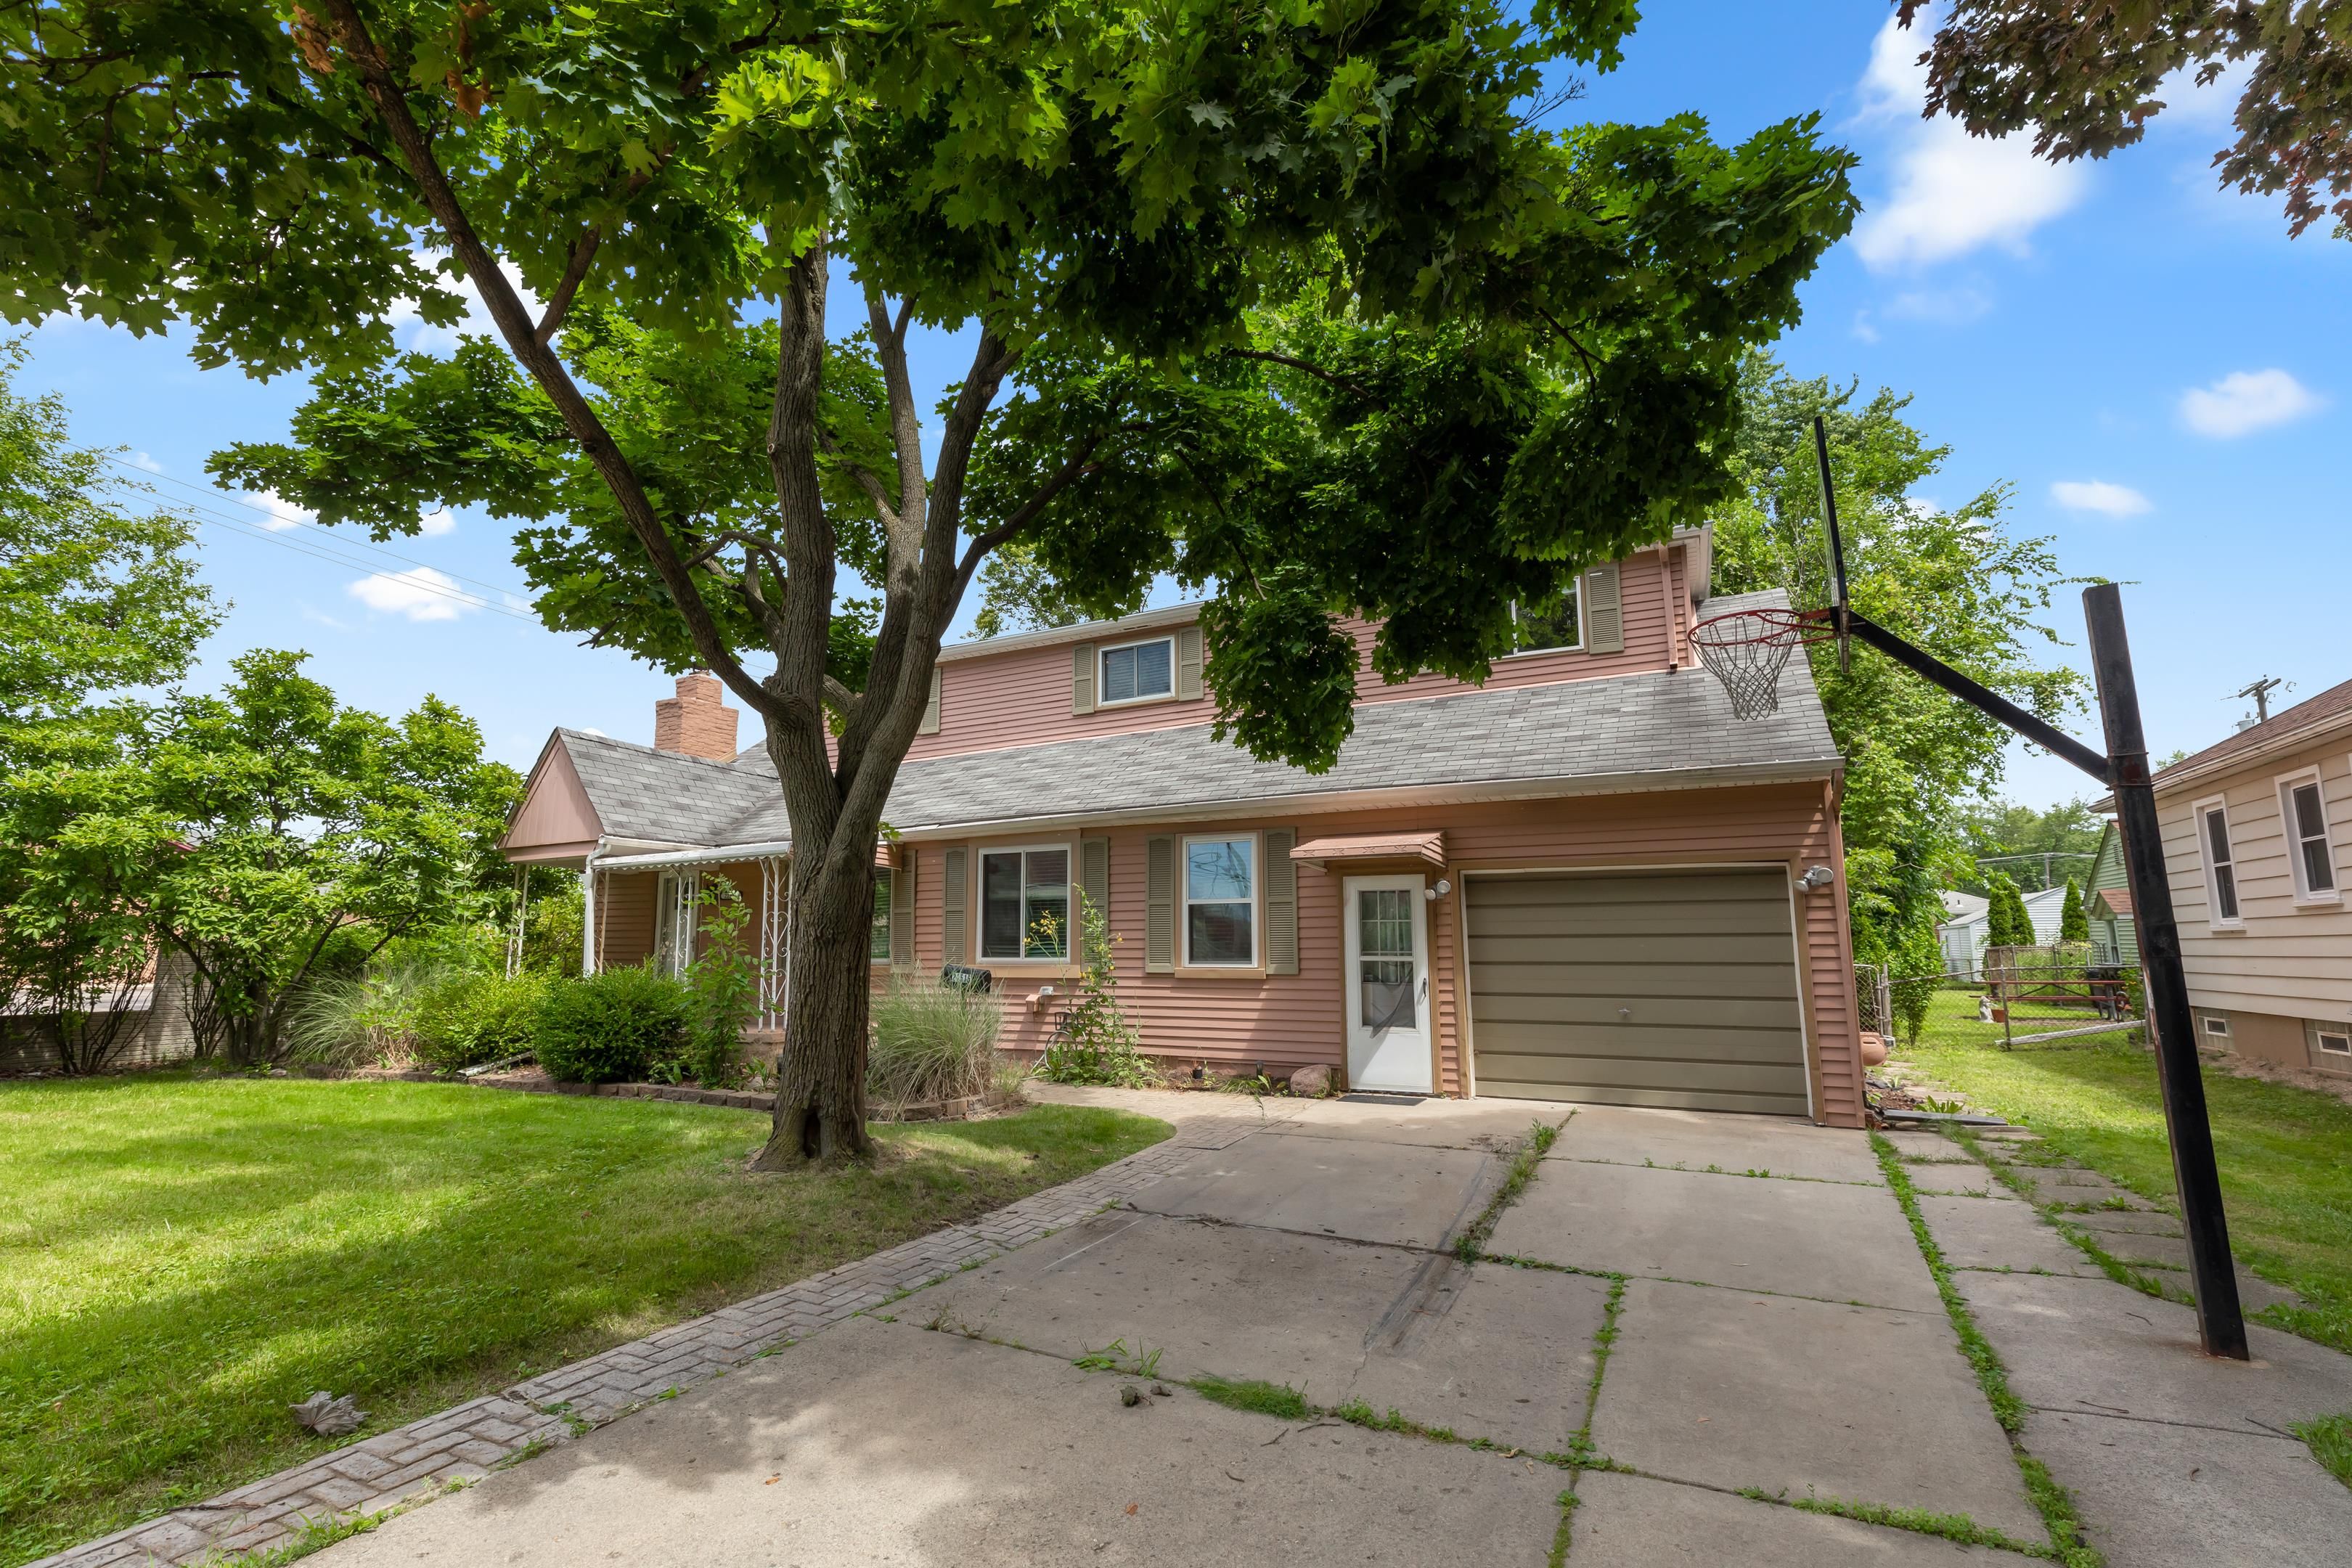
697 721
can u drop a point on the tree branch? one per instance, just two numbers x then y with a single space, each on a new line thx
515 325
575 269
1316 371
1069 473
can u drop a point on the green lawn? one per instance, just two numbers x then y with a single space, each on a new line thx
180 1258
2285 1154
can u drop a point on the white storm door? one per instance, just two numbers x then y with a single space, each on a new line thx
1387 985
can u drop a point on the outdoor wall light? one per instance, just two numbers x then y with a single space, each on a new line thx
1815 880
1437 892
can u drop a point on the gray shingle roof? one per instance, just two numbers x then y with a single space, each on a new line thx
662 797
1647 728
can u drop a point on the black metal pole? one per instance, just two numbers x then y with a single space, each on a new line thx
1926 665
2221 1322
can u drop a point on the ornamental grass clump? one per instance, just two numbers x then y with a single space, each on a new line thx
614 1027
357 1020
932 1041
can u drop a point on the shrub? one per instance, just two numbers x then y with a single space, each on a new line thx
931 1041
550 934
1094 1042
469 1019
612 1026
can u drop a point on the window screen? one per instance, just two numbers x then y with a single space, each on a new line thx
1024 903
1220 901
2225 875
1144 670
2308 817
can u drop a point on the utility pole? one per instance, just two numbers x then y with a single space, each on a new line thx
2261 692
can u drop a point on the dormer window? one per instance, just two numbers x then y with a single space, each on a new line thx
1139 672
1545 628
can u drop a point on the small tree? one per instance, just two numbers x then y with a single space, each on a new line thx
1917 969
2074 919
2007 924
1094 1042
724 980
313 834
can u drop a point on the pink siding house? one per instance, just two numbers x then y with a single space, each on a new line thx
1584 880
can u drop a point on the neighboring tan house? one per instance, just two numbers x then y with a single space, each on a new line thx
2108 902
157 1034
1584 880
2251 829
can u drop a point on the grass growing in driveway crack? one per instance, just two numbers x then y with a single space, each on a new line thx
1956 1527
1256 1394
2056 1506
1472 1239
2331 1444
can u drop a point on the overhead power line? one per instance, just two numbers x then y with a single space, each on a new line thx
339 550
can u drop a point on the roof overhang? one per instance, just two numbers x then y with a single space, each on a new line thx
2113 903
1353 848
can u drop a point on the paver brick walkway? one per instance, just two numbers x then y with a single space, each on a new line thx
468 1441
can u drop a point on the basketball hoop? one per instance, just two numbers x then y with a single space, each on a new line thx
1746 650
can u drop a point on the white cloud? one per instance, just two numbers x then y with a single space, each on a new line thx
2245 401
1946 307
421 337
279 514
434 524
421 593
2097 495
323 619
143 460
1954 193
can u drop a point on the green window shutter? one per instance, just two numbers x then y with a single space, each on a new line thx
1159 905
1281 902
1604 609
902 914
1094 881
951 882
1188 663
1082 678
930 724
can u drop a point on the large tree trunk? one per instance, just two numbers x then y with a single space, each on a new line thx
821 1093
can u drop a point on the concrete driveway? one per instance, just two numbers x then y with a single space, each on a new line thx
1680 1325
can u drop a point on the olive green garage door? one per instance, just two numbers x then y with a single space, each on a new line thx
1674 988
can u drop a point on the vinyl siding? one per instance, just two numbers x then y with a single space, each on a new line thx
2291 959
1022 697
1289 1021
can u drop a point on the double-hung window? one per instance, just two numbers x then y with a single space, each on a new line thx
877 942
2304 812
2220 866
1221 902
1537 628
1024 903
1139 672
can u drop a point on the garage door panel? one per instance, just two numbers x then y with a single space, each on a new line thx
1552 891
1675 951
1672 1012
1705 961
1732 1044
1642 918
1619 982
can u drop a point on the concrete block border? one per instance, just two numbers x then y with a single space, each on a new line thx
413 1463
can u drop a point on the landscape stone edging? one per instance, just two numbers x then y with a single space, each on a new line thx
412 1463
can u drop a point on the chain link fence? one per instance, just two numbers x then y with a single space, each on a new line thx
2015 998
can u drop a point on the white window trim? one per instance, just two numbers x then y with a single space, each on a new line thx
1102 686
2291 836
2318 1028
979 916
1184 902
1576 592
2196 816
2205 1022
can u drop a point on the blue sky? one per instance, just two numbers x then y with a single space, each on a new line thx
2158 370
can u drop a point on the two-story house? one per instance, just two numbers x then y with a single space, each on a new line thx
2250 830
1585 880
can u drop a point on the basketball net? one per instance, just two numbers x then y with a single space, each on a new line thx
1746 650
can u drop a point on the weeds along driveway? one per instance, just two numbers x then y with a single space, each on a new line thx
1420 1335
